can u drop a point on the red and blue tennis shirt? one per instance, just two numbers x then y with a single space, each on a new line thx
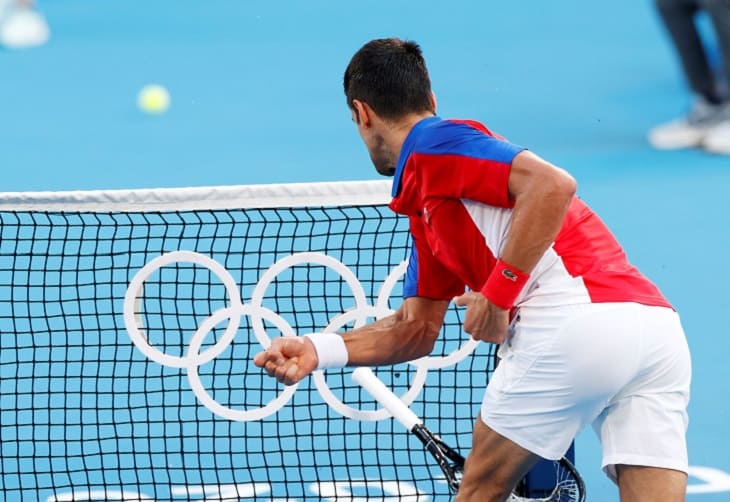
452 182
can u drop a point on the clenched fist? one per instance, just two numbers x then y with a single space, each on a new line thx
484 321
288 359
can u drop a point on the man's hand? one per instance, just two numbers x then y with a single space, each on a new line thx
288 359
484 321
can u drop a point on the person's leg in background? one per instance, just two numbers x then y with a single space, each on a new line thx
679 18
718 139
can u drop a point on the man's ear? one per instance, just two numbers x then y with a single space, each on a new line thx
433 102
363 113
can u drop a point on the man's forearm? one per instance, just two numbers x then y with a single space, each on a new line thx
390 341
406 335
534 228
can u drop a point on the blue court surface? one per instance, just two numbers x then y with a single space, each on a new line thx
257 98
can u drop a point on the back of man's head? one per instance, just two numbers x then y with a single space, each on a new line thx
390 75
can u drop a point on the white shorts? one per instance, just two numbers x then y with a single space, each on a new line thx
623 367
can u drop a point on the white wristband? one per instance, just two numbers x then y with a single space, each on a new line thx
331 350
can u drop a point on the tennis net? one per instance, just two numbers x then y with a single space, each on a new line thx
128 324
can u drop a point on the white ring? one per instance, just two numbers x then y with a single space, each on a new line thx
389 284
134 292
455 357
257 296
258 313
194 377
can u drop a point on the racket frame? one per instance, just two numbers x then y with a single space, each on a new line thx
449 460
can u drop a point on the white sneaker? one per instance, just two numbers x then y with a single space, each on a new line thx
689 131
717 140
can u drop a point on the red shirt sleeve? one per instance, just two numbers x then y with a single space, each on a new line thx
426 276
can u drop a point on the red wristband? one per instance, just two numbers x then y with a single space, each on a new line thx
504 285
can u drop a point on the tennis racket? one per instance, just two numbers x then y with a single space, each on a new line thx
569 486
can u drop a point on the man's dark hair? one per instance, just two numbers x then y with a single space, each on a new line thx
390 75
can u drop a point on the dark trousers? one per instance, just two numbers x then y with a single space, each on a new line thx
679 19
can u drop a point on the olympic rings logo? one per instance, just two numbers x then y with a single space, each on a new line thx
257 313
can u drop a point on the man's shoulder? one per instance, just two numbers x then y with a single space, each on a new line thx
440 136
450 130
463 137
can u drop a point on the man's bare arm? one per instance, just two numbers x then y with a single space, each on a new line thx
542 194
408 334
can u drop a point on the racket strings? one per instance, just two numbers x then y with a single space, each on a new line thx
567 489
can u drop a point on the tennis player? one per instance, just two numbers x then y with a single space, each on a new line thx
585 337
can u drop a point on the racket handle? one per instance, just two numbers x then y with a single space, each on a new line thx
366 379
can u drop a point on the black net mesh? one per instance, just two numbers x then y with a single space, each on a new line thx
88 413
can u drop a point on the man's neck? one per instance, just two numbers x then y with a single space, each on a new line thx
397 132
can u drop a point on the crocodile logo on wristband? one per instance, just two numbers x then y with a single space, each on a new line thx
508 274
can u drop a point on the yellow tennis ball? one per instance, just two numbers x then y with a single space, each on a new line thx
153 98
